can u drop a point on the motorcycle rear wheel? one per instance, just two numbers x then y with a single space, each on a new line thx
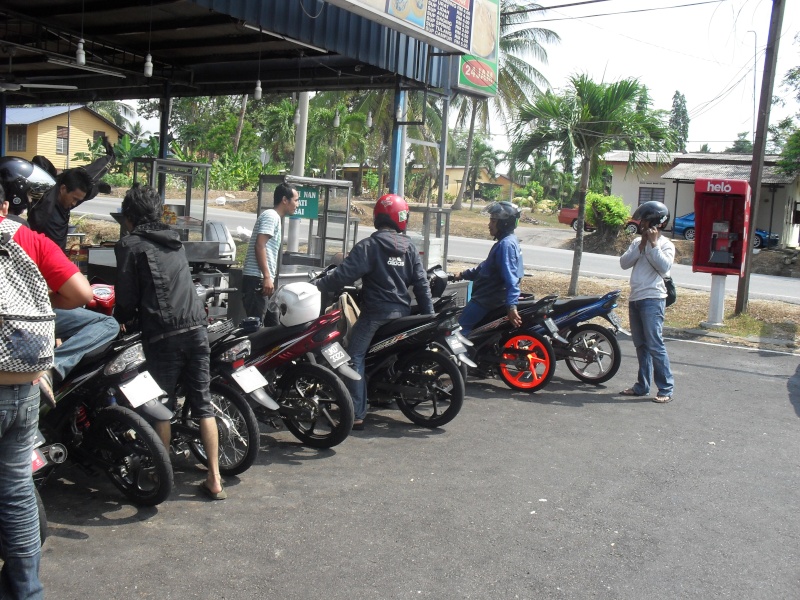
594 355
239 436
439 379
319 393
141 468
533 369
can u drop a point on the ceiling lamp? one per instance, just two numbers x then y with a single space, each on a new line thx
369 120
296 116
148 60
80 55
336 119
257 91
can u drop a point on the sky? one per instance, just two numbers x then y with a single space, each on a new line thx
703 49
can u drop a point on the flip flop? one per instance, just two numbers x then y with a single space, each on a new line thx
629 392
358 425
221 495
662 399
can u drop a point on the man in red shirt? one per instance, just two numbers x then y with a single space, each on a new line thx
19 405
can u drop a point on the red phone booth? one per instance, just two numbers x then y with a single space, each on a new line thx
721 219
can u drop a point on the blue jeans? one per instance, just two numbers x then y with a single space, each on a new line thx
471 316
20 545
82 331
360 339
255 303
647 322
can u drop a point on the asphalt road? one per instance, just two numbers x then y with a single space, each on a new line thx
573 492
541 251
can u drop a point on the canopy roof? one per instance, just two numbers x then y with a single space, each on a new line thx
198 48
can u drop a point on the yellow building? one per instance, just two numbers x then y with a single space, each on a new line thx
55 132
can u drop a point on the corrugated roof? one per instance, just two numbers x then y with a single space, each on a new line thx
689 171
622 156
28 115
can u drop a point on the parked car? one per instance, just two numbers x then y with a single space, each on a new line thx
569 216
685 226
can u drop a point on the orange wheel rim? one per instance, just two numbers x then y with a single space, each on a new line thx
535 356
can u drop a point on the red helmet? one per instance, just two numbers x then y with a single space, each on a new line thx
391 211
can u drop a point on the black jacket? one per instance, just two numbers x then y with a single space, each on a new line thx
154 282
387 264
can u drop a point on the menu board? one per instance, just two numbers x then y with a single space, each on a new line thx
445 24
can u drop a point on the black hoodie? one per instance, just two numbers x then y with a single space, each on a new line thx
387 264
154 282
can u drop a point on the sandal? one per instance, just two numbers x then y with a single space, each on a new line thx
629 392
358 425
221 495
662 399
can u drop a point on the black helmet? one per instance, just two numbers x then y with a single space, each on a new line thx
655 213
506 215
23 182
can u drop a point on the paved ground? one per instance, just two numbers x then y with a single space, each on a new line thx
574 492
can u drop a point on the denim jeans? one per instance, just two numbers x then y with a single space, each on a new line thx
471 316
19 519
647 322
360 339
255 303
82 331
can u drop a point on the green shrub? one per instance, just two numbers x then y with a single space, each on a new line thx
607 213
119 180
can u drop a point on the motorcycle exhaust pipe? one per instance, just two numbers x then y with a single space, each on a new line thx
348 372
56 453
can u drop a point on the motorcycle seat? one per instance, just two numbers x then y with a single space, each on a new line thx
267 336
575 303
402 324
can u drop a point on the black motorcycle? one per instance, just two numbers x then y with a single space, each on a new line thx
95 421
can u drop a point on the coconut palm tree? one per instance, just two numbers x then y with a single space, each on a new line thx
584 120
119 113
517 78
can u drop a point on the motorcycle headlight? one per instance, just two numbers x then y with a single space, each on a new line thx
130 358
235 352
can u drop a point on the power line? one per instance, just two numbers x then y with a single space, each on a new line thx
542 8
627 12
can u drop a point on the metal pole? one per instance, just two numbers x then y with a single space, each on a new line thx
397 159
298 169
759 146
2 124
755 77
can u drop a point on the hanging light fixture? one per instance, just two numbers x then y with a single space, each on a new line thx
80 55
336 119
148 60
296 95
257 91
369 120
297 116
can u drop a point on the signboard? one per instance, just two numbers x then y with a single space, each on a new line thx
445 24
477 71
307 203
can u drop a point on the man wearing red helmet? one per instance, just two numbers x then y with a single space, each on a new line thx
387 264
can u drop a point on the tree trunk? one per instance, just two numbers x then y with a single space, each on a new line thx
586 164
240 126
460 198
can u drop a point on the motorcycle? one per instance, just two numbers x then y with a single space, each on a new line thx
414 361
522 356
43 459
232 386
303 393
95 423
590 350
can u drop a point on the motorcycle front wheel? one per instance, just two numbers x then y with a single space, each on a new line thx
593 355
321 407
440 389
139 463
237 428
527 362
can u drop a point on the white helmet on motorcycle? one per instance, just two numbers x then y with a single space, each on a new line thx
297 303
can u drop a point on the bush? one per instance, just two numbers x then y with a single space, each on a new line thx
608 214
118 180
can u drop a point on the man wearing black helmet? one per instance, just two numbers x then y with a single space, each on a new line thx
651 257
496 279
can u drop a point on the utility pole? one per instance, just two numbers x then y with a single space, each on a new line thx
760 144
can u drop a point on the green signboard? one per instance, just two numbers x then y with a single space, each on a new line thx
308 203
477 70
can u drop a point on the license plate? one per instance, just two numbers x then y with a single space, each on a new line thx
249 379
141 389
551 325
455 344
335 354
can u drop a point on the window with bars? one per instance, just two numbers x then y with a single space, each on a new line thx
62 140
646 194
17 138
96 135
